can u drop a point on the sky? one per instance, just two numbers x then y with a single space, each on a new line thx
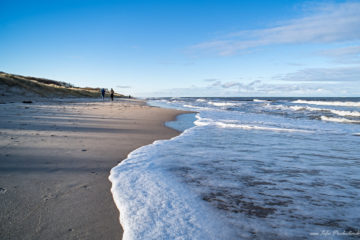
187 48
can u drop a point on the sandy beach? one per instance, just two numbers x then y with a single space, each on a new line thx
55 162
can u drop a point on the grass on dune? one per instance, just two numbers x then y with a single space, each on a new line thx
45 87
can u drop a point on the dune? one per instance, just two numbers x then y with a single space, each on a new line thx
14 87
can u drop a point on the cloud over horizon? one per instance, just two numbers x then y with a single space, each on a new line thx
338 74
344 55
124 87
327 23
253 89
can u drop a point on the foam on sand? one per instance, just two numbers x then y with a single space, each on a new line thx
155 206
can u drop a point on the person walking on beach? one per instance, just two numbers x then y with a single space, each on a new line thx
112 94
103 93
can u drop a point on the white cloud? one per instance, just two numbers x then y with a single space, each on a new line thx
120 86
210 79
352 50
349 54
258 87
330 23
232 85
339 74
233 89
341 81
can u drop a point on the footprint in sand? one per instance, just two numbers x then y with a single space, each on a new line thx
3 190
47 197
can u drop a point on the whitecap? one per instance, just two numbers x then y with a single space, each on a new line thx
340 120
346 113
326 103
259 100
222 104
235 124
333 111
264 128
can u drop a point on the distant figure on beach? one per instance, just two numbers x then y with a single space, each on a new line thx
103 93
112 94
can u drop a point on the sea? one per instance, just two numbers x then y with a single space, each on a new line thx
246 168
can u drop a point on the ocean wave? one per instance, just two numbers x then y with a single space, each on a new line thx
276 107
200 100
234 124
190 106
340 120
336 112
254 127
260 100
346 113
222 104
301 108
325 103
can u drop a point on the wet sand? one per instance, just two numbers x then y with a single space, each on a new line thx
55 159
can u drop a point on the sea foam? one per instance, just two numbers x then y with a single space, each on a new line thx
155 206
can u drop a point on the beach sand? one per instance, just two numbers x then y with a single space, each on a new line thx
55 160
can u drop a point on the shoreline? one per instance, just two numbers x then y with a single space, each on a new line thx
56 160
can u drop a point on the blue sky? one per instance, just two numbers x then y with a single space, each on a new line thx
187 48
